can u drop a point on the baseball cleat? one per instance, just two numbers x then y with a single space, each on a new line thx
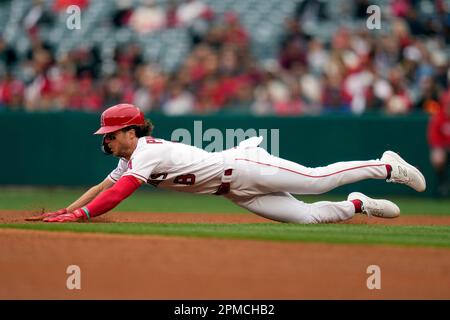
376 207
403 172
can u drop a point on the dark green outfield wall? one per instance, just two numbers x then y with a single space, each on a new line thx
59 148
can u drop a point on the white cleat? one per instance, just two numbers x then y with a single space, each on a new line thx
376 207
403 172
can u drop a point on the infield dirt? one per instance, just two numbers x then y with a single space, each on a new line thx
33 265
145 217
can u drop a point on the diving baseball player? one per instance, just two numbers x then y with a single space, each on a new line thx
247 175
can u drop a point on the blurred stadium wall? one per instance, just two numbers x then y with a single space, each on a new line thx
336 88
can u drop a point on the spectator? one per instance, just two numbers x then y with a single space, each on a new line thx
356 86
415 24
234 31
214 37
400 8
353 70
87 61
439 141
117 90
11 92
291 105
142 95
429 96
310 87
40 94
202 27
333 98
242 98
443 19
179 102
316 57
310 11
39 15
399 101
191 10
209 98
36 45
293 46
122 14
441 66
8 57
147 18
171 14
277 89
128 56
360 8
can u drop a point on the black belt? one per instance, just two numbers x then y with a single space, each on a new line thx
224 188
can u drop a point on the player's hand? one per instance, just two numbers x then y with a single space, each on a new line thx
47 215
73 216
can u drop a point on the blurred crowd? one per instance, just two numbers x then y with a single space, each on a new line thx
401 68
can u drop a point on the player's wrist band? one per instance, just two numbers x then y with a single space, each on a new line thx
86 211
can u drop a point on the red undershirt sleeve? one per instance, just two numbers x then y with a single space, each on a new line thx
110 198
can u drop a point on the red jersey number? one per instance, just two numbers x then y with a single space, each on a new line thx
151 140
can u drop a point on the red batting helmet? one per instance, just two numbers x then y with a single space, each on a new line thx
120 116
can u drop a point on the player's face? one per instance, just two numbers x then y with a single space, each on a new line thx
120 143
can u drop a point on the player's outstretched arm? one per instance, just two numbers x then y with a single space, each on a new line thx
80 202
89 195
104 202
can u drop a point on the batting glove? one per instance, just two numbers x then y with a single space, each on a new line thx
73 216
47 215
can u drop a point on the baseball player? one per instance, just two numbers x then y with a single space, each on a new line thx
439 141
247 175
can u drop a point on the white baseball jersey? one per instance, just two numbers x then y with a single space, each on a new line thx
260 182
171 165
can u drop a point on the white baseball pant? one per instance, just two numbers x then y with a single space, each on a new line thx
263 184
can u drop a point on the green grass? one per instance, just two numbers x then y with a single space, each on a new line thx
157 201
142 200
436 236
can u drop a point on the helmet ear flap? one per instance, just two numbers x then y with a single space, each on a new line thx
105 148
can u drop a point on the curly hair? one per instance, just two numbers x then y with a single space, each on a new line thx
143 130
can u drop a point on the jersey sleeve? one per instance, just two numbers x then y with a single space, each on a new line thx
142 165
117 173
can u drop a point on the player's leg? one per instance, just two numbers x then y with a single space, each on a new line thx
283 207
440 162
267 173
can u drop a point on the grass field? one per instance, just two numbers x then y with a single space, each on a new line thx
153 202
156 201
438 236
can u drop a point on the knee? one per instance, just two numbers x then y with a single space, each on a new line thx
307 219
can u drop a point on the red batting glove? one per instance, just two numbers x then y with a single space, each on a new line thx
67 217
47 215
